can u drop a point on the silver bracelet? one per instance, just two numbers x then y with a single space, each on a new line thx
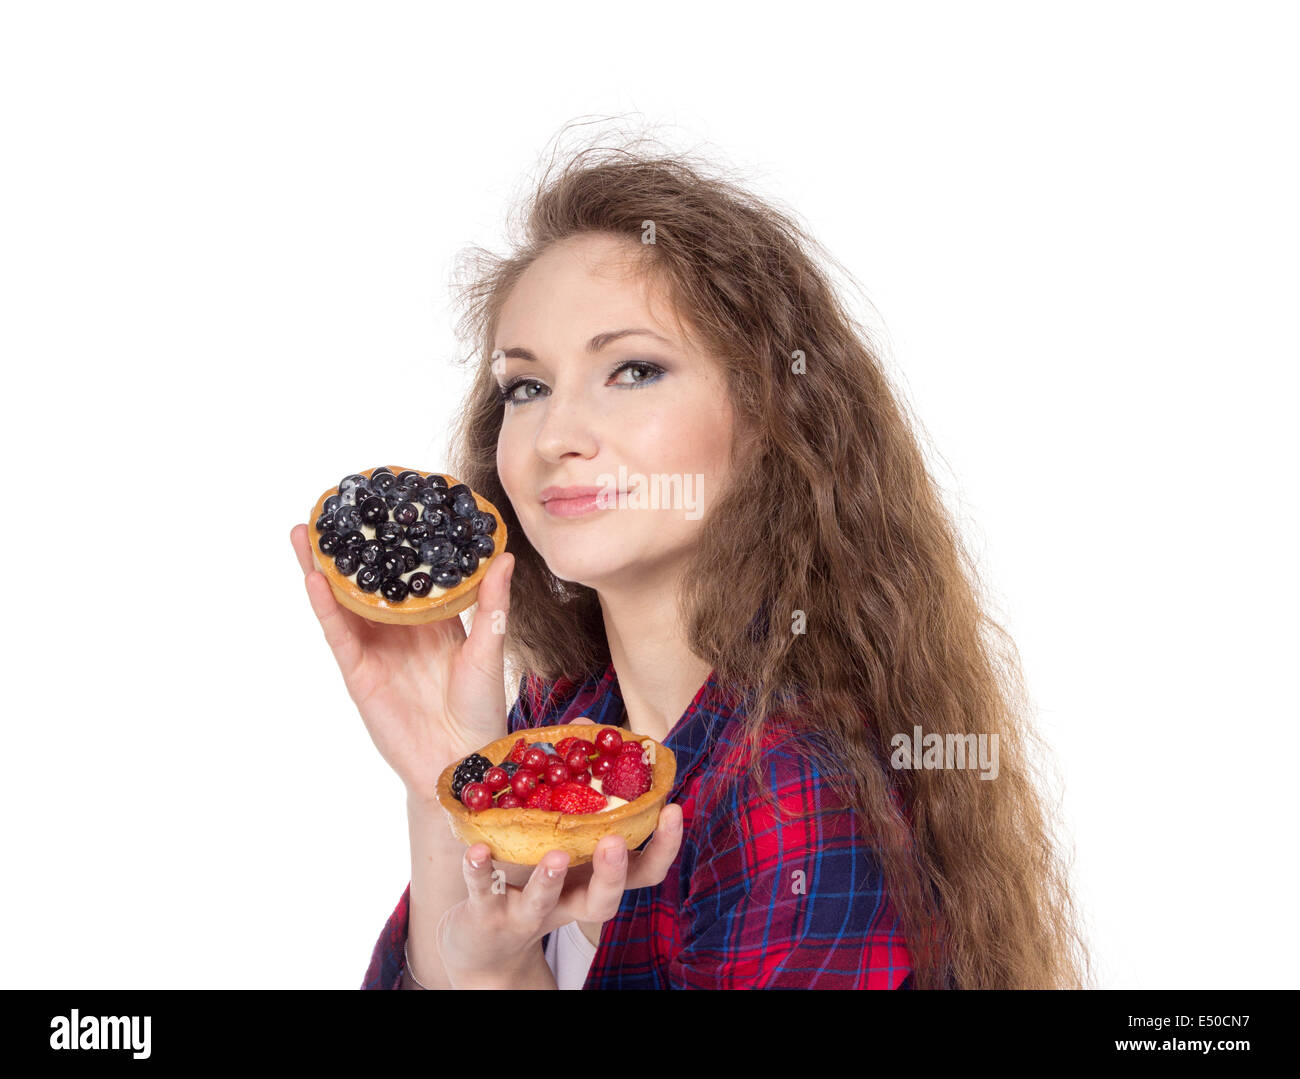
406 951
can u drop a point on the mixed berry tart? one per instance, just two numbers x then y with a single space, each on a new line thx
402 546
557 788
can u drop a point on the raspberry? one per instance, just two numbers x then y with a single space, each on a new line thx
628 778
575 798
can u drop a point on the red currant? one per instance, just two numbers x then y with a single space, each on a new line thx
583 777
536 760
509 801
557 772
609 741
476 796
601 765
495 778
523 783
576 759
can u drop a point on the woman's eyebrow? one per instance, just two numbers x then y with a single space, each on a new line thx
594 345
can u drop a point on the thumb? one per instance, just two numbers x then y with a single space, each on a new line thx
486 645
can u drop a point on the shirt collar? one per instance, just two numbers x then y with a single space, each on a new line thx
694 735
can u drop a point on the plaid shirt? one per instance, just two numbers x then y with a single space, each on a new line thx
753 900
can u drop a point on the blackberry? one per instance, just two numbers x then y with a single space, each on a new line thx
394 589
470 770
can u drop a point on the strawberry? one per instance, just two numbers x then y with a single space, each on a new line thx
575 798
628 778
540 798
562 746
517 752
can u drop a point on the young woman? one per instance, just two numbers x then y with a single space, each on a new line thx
775 592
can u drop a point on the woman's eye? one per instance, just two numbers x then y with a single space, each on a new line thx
510 397
648 372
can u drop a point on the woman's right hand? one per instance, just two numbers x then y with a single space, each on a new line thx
428 694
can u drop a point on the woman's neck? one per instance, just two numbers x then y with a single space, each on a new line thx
658 674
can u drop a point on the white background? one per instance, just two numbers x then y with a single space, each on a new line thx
225 240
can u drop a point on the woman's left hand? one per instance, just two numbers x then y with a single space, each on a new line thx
489 940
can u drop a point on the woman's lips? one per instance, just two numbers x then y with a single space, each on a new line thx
577 501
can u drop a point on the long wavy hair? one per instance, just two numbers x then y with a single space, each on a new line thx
895 634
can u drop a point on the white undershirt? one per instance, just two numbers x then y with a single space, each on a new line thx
569 954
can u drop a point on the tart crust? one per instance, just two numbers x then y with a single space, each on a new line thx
522 836
412 611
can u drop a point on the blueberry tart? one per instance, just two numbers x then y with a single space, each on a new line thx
402 546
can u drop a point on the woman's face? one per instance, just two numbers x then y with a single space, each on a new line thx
641 417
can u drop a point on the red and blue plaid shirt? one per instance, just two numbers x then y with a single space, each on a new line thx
753 900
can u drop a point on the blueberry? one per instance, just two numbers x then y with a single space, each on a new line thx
464 505
369 578
325 521
435 552
420 584
383 482
395 589
406 513
437 518
460 489
351 483
412 560
468 561
389 533
484 523
392 564
346 518
410 478
347 562
434 480
397 494
330 542
331 504
446 576
429 497
461 530
373 510
352 540
371 552
483 546
417 533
